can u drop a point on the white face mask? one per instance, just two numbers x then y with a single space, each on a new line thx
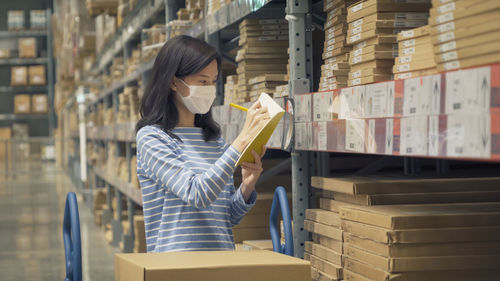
200 98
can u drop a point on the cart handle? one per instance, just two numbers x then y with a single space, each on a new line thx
71 237
280 203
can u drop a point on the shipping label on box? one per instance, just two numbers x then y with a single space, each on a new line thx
303 108
376 100
414 135
469 135
355 135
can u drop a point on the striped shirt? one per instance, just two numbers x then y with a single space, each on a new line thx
189 199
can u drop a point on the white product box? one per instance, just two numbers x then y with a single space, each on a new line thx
389 136
376 100
355 135
303 108
414 135
390 99
352 102
433 140
468 135
371 144
320 136
468 91
303 136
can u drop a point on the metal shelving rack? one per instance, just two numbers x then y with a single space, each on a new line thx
49 64
218 29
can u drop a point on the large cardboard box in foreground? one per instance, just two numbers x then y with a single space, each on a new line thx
211 266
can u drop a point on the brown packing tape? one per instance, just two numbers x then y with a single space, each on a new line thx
370 7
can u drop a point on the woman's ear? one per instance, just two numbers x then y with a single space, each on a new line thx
173 85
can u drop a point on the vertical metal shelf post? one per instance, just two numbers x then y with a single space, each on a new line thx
50 75
300 74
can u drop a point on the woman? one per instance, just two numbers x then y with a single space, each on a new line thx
184 166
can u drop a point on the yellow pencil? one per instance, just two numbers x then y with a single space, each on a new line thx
238 107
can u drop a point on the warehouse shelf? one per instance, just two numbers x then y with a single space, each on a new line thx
131 26
23 61
451 115
20 117
126 188
23 89
23 33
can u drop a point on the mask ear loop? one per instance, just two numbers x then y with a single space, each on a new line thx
183 82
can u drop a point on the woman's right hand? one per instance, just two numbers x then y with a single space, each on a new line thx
256 119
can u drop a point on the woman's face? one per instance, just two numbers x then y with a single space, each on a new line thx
206 77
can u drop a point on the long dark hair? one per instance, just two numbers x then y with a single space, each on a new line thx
181 56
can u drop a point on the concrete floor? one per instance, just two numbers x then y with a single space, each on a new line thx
31 245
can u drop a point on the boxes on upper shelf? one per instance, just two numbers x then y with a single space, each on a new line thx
415 54
39 103
373 26
465 33
263 51
37 75
22 104
27 47
95 7
19 76
38 19
15 20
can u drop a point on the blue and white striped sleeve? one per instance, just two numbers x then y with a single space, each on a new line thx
161 162
238 206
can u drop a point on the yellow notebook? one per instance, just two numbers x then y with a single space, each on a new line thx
276 112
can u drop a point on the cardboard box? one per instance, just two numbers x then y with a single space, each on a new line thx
329 268
326 254
332 244
215 265
367 57
467 42
19 76
22 104
15 20
466 9
323 216
375 64
384 26
414 65
406 264
370 7
469 62
414 33
466 31
379 40
369 72
40 103
369 79
398 18
37 75
4 53
391 185
423 250
413 74
27 47
256 245
358 271
370 34
467 52
426 235
323 229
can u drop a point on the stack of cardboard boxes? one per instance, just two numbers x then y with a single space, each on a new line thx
37 75
266 84
131 95
178 27
39 104
38 19
215 5
151 44
96 7
373 26
22 104
15 20
336 52
19 76
465 33
416 55
263 50
27 47
230 89
430 229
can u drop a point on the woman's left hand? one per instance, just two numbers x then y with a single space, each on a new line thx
251 173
